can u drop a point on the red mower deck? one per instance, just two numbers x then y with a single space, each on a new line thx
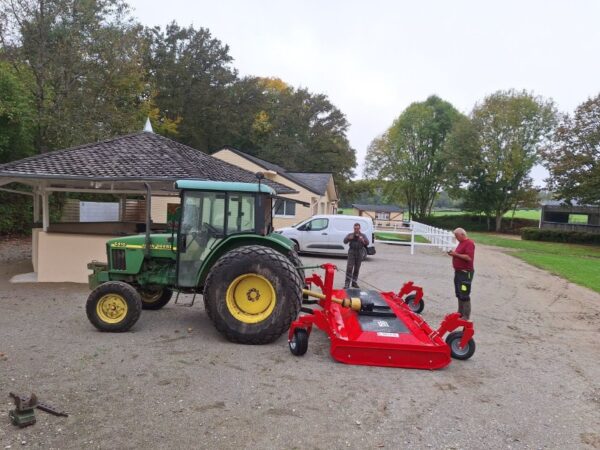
368 327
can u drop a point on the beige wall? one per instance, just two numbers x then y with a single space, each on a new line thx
159 208
64 257
319 204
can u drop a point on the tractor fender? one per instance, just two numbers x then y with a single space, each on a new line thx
240 240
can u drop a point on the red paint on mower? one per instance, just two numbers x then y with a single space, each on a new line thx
385 332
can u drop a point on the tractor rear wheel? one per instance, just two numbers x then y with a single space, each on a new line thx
252 294
114 306
297 262
155 297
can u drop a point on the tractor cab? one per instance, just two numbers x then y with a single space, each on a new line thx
212 211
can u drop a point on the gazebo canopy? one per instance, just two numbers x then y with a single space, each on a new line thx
123 163
120 166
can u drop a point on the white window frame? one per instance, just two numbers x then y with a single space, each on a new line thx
285 203
382 215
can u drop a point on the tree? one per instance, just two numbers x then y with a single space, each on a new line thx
16 117
191 73
573 159
85 62
412 155
493 152
294 128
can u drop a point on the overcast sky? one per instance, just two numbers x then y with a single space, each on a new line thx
375 58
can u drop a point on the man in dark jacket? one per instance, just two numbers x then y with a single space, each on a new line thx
358 242
463 258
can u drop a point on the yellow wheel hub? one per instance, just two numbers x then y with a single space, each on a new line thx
111 308
251 298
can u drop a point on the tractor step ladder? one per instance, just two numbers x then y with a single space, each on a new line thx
186 305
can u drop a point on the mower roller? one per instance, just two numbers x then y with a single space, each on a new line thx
368 327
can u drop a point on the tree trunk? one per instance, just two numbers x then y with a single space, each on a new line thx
498 222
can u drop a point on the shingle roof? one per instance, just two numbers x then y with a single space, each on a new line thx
140 156
313 181
317 180
378 208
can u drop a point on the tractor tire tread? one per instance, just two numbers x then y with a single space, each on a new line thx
254 252
131 296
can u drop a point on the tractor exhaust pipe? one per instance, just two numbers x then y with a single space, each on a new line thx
147 243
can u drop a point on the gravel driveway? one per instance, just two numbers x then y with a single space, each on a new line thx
173 382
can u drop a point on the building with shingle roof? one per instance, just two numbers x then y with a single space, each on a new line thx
317 189
124 167
382 215
128 159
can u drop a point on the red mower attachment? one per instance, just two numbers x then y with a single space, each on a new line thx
372 328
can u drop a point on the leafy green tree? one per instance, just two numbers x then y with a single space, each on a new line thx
16 117
365 191
85 61
411 155
493 152
573 159
191 73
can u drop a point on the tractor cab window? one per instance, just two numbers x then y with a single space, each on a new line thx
241 213
202 227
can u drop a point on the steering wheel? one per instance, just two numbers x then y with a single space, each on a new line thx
208 228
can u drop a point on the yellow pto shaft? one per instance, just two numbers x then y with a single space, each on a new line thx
352 303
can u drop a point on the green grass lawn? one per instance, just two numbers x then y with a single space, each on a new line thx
579 264
398 237
532 214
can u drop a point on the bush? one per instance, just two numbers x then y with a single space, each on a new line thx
551 235
15 213
474 222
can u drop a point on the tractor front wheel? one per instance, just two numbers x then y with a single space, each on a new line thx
253 294
155 297
114 306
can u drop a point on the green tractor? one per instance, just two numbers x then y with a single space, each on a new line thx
224 249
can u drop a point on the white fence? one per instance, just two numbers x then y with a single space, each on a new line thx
436 237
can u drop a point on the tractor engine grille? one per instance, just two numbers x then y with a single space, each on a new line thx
118 259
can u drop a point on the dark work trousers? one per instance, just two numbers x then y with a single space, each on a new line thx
353 267
462 289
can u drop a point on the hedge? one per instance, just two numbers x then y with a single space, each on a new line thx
551 235
15 213
474 222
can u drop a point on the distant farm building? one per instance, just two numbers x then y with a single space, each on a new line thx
560 216
382 215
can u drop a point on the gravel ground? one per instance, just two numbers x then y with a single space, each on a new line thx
173 382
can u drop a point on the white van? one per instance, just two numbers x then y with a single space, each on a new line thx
326 233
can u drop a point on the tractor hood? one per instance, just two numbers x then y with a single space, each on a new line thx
157 242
